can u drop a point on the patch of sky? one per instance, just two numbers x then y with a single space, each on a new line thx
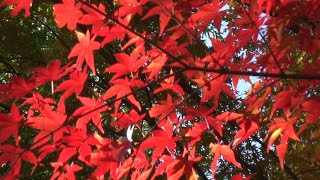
243 86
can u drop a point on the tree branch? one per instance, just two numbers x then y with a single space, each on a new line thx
258 74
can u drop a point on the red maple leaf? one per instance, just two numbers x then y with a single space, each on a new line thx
14 155
248 126
226 152
126 120
122 88
313 113
107 155
239 66
217 122
67 172
165 108
38 102
18 6
115 32
84 50
164 140
213 87
194 133
285 129
183 166
78 139
286 100
93 17
67 13
127 64
130 7
170 84
209 12
158 61
91 112
139 44
73 85
163 10
52 72
16 88
49 121
10 124
165 161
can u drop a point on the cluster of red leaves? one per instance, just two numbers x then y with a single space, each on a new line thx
163 64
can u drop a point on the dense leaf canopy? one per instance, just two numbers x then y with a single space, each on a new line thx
145 89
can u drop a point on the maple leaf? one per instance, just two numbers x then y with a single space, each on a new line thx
73 85
50 121
169 83
78 138
145 175
281 126
126 120
286 32
130 8
158 61
10 124
164 16
164 140
14 155
194 133
67 13
176 168
164 109
215 123
127 64
47 149
139 43
313 113
52 72
229 116
226 152
107 155
223 50
165 160
68 170
18 6
66 153
122 88
90 105
93 17
218 121
84 50
209 12
38 102
16 88
247 128
283 100
115 32
213 87
180 167
139 162
285 129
